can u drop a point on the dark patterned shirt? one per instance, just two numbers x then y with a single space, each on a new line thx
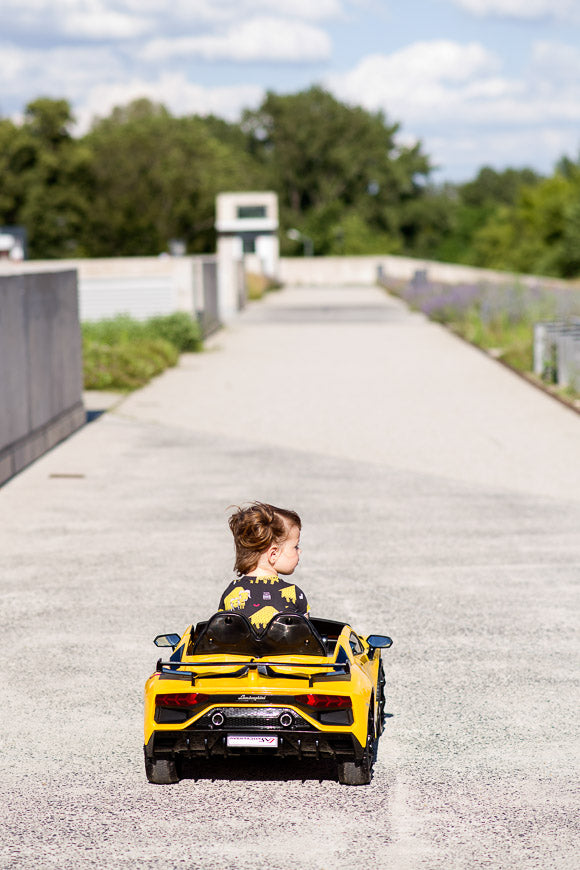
261 598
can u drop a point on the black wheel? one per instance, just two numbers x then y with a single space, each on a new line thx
353 773
161 772
350 773
381 700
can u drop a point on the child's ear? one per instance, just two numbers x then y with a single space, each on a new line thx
272 554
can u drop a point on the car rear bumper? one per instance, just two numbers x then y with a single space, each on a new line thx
170 744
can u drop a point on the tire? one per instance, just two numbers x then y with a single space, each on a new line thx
381 700
351 773
161 772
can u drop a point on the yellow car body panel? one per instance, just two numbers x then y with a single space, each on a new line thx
323 704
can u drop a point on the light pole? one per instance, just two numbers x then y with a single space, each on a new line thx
307 243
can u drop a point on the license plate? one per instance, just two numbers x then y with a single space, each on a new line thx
266 740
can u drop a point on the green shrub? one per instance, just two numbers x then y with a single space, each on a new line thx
121 353
125 366
179 329
113 330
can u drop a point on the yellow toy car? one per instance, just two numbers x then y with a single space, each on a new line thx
302 687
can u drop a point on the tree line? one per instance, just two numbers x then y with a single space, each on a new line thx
141 177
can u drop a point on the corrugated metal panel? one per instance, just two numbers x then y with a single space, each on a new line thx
140 297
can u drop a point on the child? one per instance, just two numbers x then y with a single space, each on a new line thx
267 541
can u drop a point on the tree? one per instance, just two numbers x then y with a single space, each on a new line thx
44 179
330 162
539 233
155 178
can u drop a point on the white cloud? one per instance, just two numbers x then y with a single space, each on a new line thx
131 19
174 91
524 9
236 10
537 147
260 39
77 19
427 84
100 23
486 115
555 62
101 53
95 80
60 72
425 79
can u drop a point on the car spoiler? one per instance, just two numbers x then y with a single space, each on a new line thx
167 671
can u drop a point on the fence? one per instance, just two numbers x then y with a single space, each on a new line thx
40 366
557 353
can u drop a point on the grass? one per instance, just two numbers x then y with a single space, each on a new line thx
497 318
123 354
258 285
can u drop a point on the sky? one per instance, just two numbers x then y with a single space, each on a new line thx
478 82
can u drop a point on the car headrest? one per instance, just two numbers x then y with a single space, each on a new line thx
227 632
230 632
291 634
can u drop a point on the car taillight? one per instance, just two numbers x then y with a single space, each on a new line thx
180 699
334 702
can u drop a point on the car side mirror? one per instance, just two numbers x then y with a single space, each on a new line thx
378 641
167 640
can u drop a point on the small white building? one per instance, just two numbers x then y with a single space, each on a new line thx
247 232
12 243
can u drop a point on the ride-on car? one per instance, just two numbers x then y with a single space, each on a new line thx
303 687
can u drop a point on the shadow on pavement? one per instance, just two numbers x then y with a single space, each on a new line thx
94 415
259 769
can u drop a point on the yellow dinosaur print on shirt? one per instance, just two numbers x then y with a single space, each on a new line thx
289 594
237 598
262 617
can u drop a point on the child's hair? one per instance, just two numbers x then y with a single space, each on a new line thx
257 527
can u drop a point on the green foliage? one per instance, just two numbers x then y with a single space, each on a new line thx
43 179
123 354
471 223
340 175
511 341
142 177
155 178
179 329
498 318
125 366
518 222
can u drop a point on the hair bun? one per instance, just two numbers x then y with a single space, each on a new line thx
256 528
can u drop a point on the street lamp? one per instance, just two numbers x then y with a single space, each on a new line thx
297 236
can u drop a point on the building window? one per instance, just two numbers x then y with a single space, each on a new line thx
249 244
251 211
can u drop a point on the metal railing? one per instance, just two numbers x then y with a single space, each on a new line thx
557 353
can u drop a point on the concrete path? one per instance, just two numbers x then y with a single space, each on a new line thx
441 503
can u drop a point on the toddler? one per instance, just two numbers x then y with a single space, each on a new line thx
267 541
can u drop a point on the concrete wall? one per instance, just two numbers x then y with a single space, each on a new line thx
367 270
40 366
139 286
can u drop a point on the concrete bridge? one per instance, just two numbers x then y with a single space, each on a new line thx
440 496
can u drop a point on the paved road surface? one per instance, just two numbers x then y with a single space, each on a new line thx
441 503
